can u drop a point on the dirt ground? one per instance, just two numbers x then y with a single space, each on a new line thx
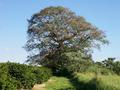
39 87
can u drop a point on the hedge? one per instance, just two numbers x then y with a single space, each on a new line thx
15 76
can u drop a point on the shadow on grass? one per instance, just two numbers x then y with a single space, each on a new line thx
80 85
93 84
77 84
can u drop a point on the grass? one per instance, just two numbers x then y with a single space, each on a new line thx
84 81
58 83
99 82
112 82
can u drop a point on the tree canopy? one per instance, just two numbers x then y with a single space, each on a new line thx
58 29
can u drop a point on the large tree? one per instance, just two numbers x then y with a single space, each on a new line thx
54 31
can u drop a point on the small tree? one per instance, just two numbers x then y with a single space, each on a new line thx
55 31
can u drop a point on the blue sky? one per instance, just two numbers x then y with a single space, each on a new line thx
105 14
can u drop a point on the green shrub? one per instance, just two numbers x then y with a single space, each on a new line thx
42 74
99 70
16 76
8 84
22 74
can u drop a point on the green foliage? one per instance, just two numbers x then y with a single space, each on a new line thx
16 76
42 74
21 73
99 70
78 61
6 83
110 64
116 68
67 63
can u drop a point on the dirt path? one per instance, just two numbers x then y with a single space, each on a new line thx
39 87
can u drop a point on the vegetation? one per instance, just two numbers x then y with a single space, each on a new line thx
15 76
85 81
55 33
110 64
95 77
61 42
59 83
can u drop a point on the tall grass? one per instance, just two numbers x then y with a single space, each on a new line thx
85 81
100 82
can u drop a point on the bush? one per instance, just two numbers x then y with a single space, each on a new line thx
99 70
42 74
21 73
16 76
6 83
